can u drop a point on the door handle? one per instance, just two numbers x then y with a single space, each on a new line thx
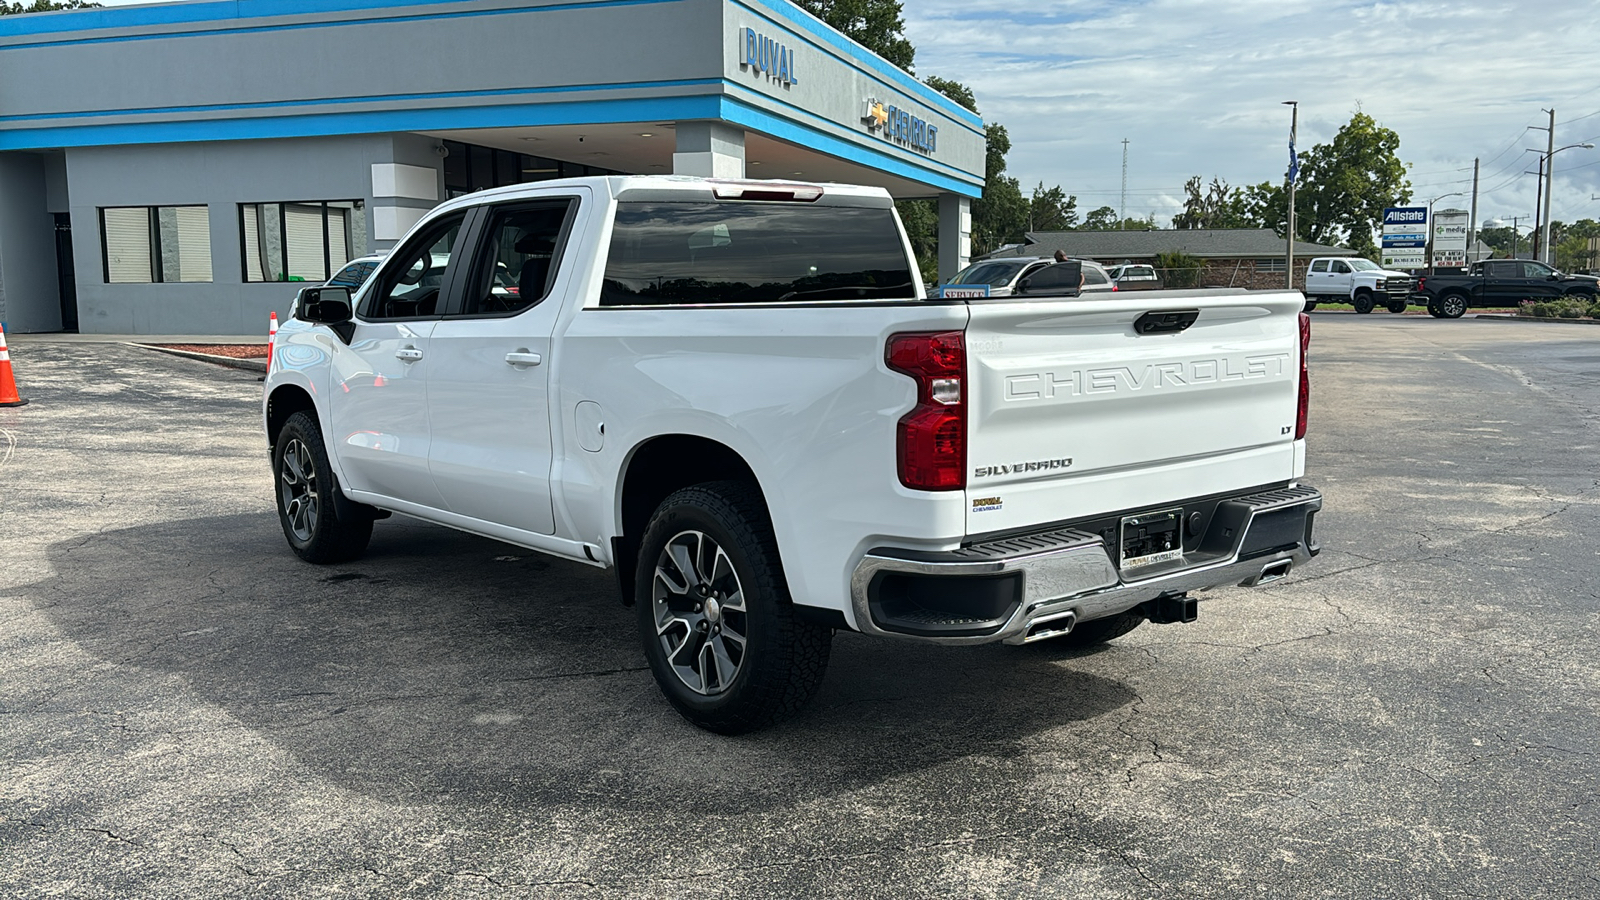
409 354
522 359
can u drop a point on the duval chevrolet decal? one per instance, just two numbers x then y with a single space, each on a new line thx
761 55
899 126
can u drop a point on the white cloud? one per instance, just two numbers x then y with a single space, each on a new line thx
1195 86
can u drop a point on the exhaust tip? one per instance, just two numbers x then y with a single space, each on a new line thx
1273 571
1050 627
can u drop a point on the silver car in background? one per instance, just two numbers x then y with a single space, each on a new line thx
1002 275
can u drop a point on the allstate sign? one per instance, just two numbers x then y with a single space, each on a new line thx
1405 215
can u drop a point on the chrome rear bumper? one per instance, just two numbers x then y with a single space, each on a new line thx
1068 576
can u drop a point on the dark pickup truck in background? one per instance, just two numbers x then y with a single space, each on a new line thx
1502 282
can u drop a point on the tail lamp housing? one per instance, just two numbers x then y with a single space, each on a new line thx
1300 418
931 439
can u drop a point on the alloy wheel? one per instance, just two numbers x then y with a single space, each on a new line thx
700 613
297 490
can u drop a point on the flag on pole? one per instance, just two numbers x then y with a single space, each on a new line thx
1294 163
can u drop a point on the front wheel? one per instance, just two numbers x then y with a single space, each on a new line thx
1362 302
718 627
1452 306
309 506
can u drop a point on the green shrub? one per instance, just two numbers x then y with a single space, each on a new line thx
1539 310
1178 270
1570 311
1594 311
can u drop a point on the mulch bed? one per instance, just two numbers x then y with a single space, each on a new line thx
233 351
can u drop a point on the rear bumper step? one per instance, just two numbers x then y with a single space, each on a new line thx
1036 586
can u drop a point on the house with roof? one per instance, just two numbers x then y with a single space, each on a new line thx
1229 257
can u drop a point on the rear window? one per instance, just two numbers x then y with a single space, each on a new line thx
692 253
1093 276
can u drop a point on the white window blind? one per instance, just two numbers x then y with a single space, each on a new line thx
303 242
127 245
252 243
194 245
338 249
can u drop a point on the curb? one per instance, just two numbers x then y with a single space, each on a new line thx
249 365
1496 317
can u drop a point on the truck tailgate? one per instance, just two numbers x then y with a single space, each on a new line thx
1073 412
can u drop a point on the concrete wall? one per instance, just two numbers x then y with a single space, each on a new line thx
220 175
29 299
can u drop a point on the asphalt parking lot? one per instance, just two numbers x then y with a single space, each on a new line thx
188 710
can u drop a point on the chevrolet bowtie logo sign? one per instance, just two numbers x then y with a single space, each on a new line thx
899 126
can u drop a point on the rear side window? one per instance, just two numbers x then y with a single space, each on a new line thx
1093 276
666 254
1320 265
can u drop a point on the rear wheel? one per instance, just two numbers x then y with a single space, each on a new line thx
309 505
1310 304
1397 306
715 618
1452 306
1362 302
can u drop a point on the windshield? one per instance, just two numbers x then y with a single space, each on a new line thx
994 274
1363 265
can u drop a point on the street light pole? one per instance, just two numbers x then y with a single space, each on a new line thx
1294 175
1549 180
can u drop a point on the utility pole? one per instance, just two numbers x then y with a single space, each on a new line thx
1538 195
1549 179
1122 206
1515 235
1294 175
1472 223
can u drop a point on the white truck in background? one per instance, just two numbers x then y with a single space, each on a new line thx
1360 282
737 395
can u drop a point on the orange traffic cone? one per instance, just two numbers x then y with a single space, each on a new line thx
8 384
272 337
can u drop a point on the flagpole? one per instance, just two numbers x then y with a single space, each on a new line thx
1294 175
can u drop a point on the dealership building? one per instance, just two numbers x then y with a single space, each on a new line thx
183 168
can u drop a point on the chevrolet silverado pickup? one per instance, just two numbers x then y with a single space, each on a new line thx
1502 282
738 396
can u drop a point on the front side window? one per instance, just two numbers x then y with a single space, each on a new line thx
151 244
694 253
1536 270
354 275
519 262
413 276
301 241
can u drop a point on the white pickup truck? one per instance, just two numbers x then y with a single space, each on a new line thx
1360 282
737 395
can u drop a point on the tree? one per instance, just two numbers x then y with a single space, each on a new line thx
1000 216
12 9
1051 209
1572 245
1346 184
874 24
1219 206
921 217
1105 219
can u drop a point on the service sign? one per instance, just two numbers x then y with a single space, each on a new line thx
962 291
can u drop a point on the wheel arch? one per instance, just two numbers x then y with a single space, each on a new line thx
654 469
284 401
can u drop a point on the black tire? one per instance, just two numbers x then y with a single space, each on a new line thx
309 503
691 631
1397 306
1362 302
1310 305
1092 634
1451 306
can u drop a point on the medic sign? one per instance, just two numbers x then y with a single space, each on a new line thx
762 55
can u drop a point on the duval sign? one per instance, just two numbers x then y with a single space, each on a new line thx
761 55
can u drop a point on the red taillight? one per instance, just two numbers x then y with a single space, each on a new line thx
1422 283
931 446
1305 378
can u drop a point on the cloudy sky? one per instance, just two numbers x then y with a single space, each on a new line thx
1195 87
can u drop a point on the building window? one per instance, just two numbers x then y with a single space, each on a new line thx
300 241
1270 265
149 244
470 167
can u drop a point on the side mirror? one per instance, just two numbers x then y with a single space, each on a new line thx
1552 277
323 305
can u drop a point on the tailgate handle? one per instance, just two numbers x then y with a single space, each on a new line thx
1165 321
